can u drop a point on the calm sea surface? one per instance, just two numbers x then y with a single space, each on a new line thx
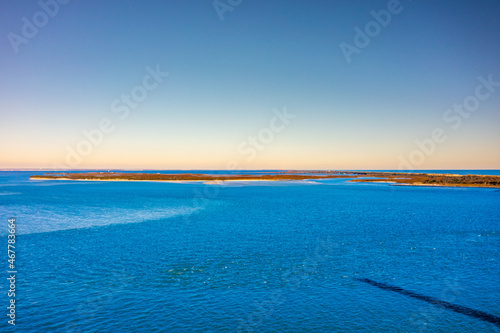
253 257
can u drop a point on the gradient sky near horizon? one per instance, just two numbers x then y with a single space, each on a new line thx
227 79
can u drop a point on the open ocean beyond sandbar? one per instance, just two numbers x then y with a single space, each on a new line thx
256 257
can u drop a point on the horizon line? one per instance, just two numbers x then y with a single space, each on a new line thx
147 169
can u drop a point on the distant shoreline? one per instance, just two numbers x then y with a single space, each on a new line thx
392 178
206 181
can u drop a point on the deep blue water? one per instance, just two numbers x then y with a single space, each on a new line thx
255 257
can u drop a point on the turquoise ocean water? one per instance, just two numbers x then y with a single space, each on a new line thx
249 257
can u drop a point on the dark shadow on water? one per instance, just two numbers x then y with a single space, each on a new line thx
455 307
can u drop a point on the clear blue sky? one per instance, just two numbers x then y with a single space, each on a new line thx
225 78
